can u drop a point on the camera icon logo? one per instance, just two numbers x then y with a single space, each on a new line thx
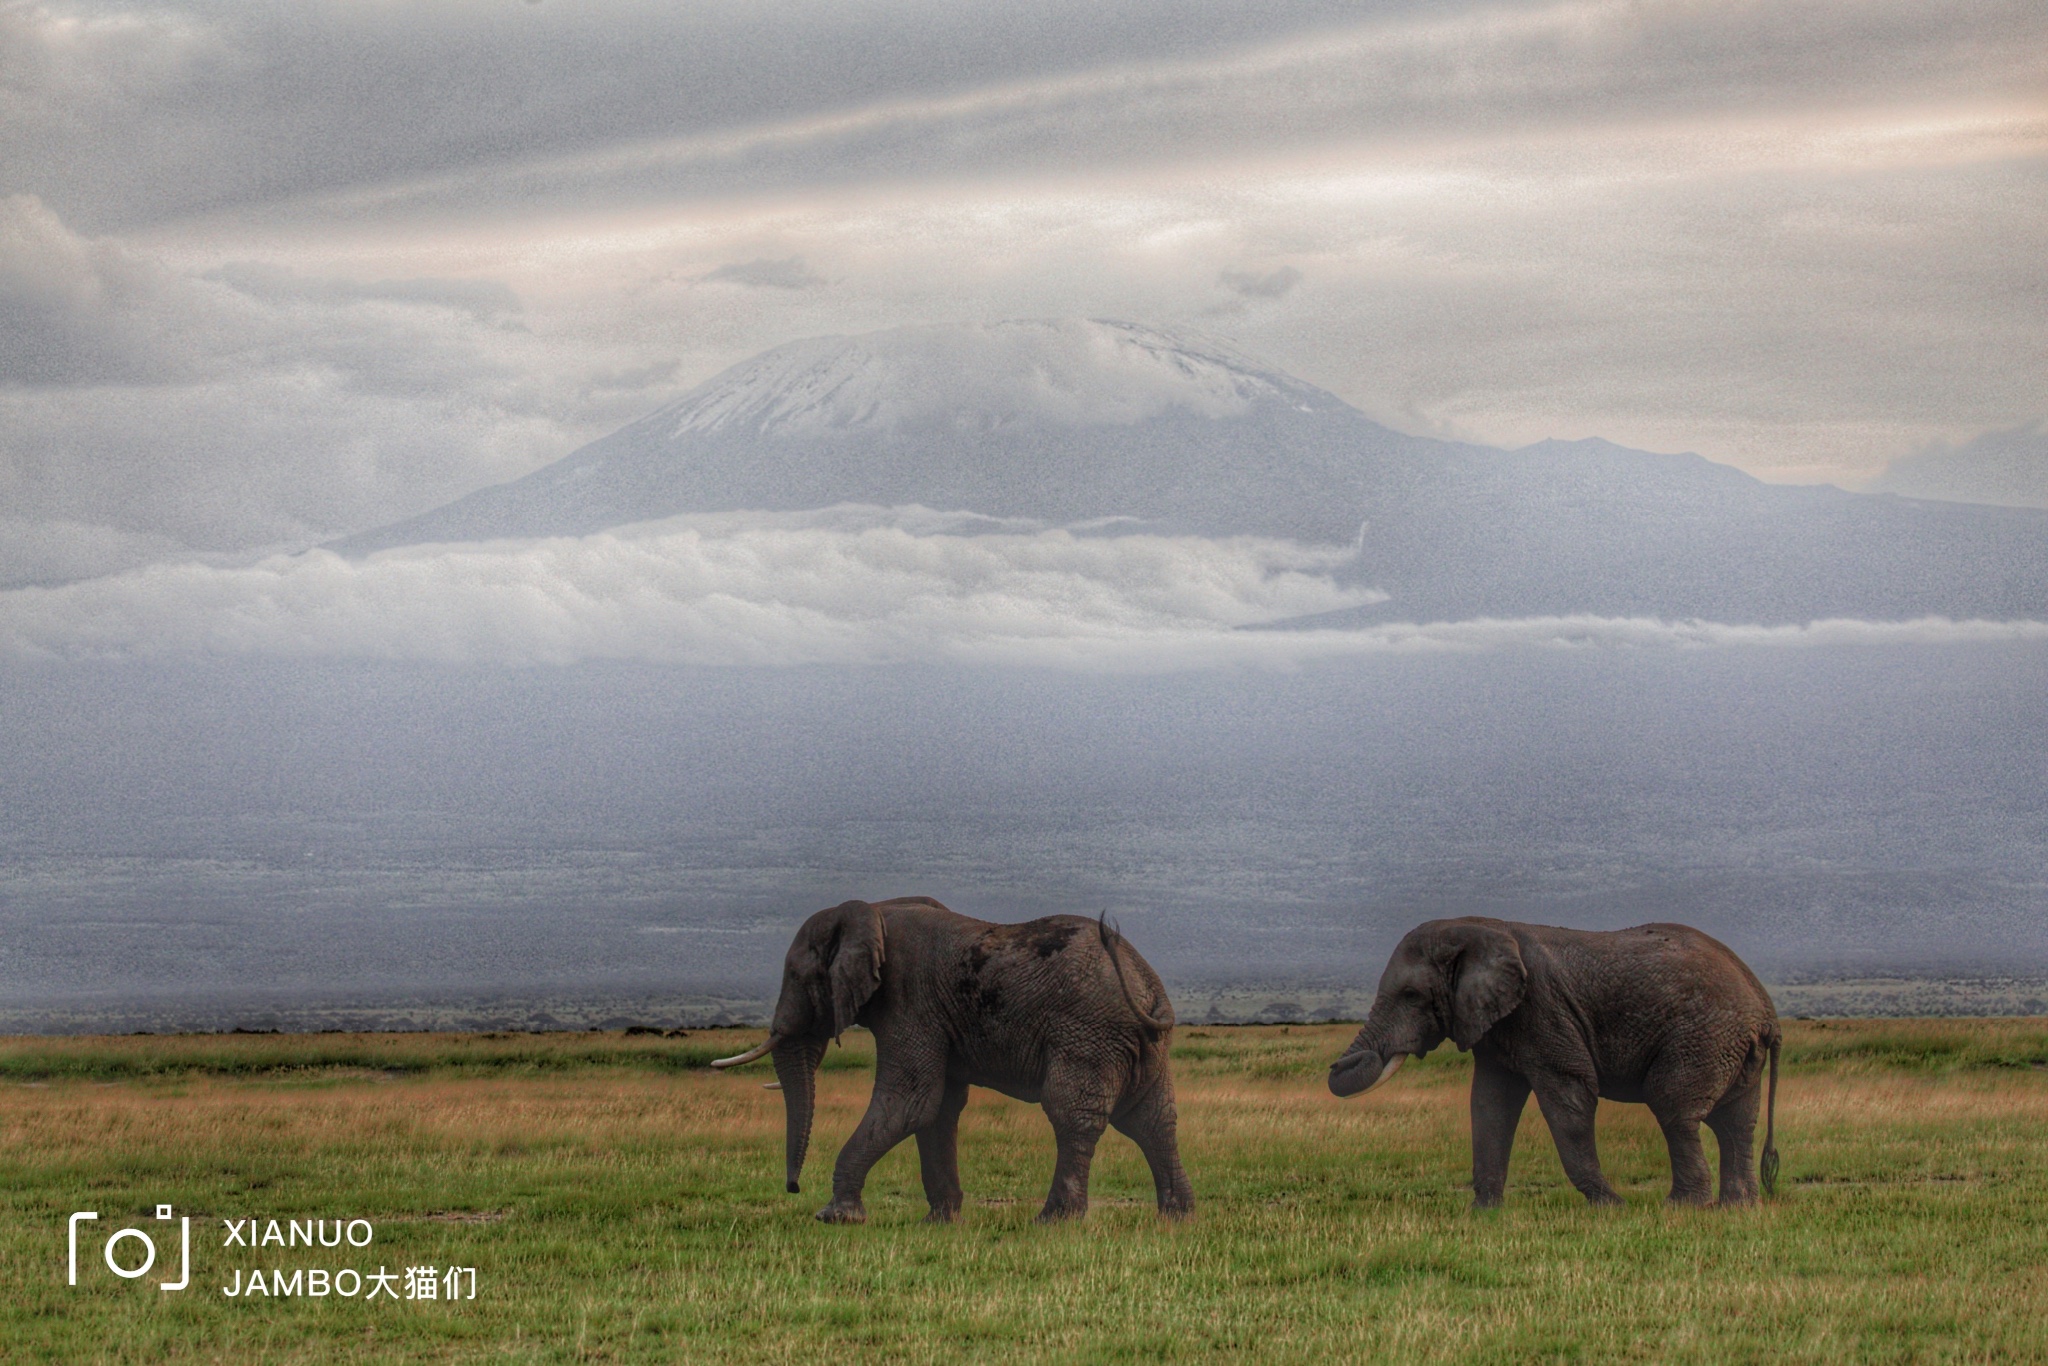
118 1237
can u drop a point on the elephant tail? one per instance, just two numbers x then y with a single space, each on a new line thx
1157 1024
1768 1168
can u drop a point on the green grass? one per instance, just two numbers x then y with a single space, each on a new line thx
339 1056
623 1203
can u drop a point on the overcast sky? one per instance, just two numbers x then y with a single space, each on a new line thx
272 272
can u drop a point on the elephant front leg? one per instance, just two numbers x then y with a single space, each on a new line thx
1568 1105
1498 1099
938 1157
893 1115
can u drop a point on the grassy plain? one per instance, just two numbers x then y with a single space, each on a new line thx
622 1203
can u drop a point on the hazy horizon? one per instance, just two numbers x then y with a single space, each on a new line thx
390 832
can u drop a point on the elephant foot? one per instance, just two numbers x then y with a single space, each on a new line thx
1486 1201
843 1212
1690 1199
1177 1210
1060 1214
1603 1199
943 1216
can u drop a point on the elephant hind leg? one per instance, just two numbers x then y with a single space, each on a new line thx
1691 1182
1734 1126
1151 1121
938 1157
1079 1111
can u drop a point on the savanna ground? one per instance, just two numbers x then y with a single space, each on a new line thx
622 1203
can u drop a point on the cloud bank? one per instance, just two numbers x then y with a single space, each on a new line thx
133 113
2007 467
849 586
249 405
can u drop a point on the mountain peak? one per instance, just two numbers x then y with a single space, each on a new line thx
981 378
1074 422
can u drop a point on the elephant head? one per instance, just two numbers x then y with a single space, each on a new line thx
1451 979
833 966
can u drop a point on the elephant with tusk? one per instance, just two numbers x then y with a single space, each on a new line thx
1061 1011
1659 1014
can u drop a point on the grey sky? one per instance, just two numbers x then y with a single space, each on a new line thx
271 272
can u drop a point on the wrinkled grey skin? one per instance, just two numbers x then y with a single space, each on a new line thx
1658 1014
1060 1011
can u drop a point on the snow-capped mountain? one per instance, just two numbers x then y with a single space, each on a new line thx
1043 373
1080 421
1061 421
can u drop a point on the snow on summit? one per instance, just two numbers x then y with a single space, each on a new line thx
1060 421
1060 372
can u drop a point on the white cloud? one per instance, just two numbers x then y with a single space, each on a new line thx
145 109
74 311
1272 284
790 272
2006 467
1410 76
57 550
250 404
733 589
856 586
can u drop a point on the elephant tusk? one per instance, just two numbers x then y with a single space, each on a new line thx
771 1086
1393 1066
752 1053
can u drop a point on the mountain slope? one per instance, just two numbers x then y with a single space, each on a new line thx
1561 528
1069 422
1060 421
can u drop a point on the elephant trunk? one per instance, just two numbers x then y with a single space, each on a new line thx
1364 1065
796 1067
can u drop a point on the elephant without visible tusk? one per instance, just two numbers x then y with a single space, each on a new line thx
1659 1014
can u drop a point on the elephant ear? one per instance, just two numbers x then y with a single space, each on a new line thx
856 962
1489 979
